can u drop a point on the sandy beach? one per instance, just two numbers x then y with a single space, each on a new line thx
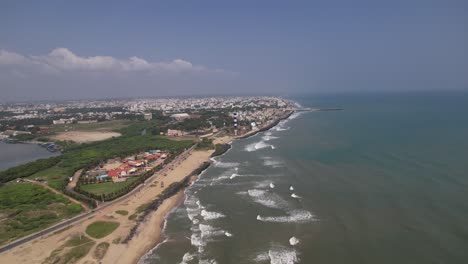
85 136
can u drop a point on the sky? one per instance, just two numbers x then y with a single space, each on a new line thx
53 50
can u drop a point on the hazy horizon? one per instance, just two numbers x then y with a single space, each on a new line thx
51 50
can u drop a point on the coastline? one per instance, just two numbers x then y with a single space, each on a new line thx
149 232
165 212
266 127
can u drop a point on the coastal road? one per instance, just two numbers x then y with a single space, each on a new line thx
92 213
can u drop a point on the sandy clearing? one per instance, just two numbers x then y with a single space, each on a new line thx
85 136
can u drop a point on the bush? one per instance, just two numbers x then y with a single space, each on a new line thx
101 229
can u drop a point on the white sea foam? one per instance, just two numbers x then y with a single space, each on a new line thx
187 257
262 257
294 241
272 162
227 234
207 215
278 255
233 176
295 115
257 145
283 255
294 216
268 137
207 261
197 241
295 196
222 164
282 128
267 199
208 231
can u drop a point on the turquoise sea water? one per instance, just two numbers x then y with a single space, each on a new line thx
383 181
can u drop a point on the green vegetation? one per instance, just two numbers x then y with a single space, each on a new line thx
27 169
99 126
101 229
106 188
121 212
24 137
26 208
116 241
79 156
142 207
70 252
101 250
220 149
133 216
205 143
191 124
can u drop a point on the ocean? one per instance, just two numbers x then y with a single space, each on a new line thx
383 181
12 155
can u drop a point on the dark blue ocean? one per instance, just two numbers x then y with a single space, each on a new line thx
385 180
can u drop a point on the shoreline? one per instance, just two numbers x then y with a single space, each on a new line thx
267 127
149 233
161 237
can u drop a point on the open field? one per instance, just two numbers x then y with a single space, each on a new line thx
84 136
26 208
105 126
106 187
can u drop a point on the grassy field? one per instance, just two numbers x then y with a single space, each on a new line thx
100 126
101 229
106 187
26 208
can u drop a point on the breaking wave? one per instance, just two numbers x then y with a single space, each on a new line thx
294 216
294 241
222 164
207 215
258 145
271 162
278 255
267 198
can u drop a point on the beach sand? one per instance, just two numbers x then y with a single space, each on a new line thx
85 136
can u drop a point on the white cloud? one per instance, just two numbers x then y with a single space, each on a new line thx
11 58
64 60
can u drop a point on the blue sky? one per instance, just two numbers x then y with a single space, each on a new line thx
85 49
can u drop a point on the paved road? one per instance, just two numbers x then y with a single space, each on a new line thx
87 215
